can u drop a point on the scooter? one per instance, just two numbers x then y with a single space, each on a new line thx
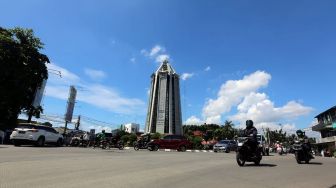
301 154
244 153
280 150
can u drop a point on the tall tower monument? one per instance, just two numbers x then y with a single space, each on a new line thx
164 108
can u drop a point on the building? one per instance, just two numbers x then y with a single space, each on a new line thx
132 127
327 127
164 108
115 132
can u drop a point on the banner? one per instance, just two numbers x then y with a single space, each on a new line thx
39 94
71 103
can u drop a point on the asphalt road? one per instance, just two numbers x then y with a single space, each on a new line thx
49 167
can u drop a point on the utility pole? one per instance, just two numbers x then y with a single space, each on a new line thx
78 123
65 127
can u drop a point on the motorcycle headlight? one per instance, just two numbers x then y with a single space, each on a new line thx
240 144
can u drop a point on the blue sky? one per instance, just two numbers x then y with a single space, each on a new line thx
273 61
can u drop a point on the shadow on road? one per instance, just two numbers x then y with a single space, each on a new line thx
261 165
314 163
3 147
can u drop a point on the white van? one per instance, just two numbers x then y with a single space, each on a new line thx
263 144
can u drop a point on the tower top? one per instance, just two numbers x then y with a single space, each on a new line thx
166 67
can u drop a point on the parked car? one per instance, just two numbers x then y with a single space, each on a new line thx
177 142
225 145
28 133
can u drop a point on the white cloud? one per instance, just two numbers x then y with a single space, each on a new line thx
67 76
155 50
259 108
232 92
95 94
144 52
161 58
186 76
207 69
95 74
107 98
157 53
193 120
243 94
132 60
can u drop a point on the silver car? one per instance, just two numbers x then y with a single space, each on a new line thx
225 145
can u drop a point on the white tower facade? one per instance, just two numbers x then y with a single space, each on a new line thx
164 106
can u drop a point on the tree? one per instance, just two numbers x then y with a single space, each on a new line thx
132 138
196 142
276 135
156 136
124 138
228 130
23 69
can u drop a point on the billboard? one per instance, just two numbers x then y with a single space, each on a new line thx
71 103
39 94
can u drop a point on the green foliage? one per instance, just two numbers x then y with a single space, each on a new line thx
122 133
196 142
212 131
132 138
124 139
277 135
23 69
156 136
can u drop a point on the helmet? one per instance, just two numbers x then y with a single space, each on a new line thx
103 131
249 124
300 133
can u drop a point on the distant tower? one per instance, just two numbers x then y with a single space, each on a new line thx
164 108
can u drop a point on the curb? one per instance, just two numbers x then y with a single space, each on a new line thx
172 150
195 151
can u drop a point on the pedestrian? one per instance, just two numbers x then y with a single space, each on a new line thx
2 136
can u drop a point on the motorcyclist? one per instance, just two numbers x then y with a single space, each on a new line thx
101 136
251 132
305 141
86 136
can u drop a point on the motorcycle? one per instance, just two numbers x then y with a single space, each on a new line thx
244 153
75 142
280 150
140 145
103 144
116 144
84 143
301 154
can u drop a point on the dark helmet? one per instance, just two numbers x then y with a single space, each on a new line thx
249 123
103 131
300 133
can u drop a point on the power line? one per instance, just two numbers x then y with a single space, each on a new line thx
97 121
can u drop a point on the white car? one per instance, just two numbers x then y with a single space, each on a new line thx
27 133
